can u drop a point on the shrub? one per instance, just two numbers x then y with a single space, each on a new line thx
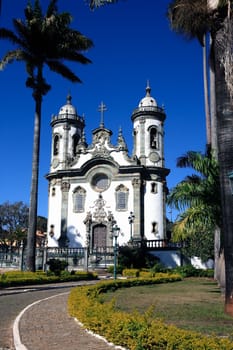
118 269
133 330
131 273
191 271
57 266
21 278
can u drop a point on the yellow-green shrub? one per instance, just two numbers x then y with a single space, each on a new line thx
21 278
130 272
133 330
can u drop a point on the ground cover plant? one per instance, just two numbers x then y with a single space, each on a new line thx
194 303
99 310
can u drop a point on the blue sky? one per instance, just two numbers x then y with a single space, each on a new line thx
133 42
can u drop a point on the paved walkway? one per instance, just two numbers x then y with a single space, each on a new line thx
46 325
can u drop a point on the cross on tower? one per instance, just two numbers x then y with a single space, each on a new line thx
102 109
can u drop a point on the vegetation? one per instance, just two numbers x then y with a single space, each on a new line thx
57 266
19 278
195 19
133 329
135 257
194 304
42 40
198 199
13 223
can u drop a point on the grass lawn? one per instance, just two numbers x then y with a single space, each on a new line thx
194 303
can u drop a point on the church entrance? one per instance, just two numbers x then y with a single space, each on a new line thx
101 250
99 237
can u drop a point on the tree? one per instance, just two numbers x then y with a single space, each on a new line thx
198 197
216 17
13 223
98 3
41 223
42 40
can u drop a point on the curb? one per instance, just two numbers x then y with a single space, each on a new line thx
16 334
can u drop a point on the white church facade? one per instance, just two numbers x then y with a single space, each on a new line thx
94 188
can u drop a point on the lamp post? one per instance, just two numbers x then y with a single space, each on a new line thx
131 221
116 231
230 175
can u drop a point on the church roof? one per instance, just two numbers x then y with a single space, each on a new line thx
148 100
68 108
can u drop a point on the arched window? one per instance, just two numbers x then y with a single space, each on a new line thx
79 196
122 194
75 142
154 142
154 227
53 191
154 187
56 145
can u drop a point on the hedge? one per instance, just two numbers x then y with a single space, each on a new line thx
135 331
19 278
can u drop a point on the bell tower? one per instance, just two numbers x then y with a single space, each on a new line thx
67 131
148 149
148 131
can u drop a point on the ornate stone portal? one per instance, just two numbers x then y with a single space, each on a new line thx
99 225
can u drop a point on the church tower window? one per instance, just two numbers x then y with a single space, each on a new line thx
122 194
154 227
154 143
154 187
56 145
79 196
75 142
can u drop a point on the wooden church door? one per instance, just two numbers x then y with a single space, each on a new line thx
99 239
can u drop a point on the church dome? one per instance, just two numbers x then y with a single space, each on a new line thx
68 108
148 100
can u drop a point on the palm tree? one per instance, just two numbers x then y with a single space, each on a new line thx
197 197
42 40
215 17
194 25
98 3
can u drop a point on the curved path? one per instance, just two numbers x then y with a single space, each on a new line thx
43 322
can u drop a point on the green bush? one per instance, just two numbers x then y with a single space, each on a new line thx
135 257
119 269
158 267
191 271
57 266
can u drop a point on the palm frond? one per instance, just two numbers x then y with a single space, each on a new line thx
195 219
98 3
190 18
63 70
10 56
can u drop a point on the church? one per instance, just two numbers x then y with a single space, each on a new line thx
97 188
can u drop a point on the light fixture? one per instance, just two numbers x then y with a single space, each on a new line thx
116 231
230 175
131 221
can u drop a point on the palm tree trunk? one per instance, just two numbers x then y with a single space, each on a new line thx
31 237
206 95
224 111
214 143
